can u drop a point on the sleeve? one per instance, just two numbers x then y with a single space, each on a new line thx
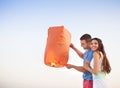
89 56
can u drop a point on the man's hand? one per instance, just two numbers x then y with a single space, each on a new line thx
69 66
72 46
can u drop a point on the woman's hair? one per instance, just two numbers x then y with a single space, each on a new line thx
105 64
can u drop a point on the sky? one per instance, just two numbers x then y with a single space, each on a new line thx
23 33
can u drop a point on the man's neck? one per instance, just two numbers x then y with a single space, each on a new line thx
88 48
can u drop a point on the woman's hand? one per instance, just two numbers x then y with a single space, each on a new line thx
86 66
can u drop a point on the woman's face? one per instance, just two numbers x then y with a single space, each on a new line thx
94 45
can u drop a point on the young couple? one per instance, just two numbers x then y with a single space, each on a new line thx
95 62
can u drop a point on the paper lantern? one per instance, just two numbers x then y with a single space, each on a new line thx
57 47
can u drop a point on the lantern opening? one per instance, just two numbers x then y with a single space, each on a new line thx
53 64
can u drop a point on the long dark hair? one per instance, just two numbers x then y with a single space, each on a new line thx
105 63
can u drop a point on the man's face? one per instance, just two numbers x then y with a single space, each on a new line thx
84 44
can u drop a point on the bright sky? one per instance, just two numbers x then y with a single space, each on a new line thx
23 33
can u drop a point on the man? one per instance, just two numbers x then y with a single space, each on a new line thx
85 41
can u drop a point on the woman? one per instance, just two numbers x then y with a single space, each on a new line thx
100 64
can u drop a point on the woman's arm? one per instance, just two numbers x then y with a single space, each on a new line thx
95 68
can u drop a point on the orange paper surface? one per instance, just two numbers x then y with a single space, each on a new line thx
57 47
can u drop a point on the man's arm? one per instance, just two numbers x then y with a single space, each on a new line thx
80 54
78 68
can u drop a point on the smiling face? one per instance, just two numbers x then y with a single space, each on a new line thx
94 45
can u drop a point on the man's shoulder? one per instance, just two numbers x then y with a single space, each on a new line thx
88 55
88 51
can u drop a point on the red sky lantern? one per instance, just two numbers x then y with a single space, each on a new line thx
57 47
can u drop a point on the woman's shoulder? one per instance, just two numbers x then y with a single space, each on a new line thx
96 54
